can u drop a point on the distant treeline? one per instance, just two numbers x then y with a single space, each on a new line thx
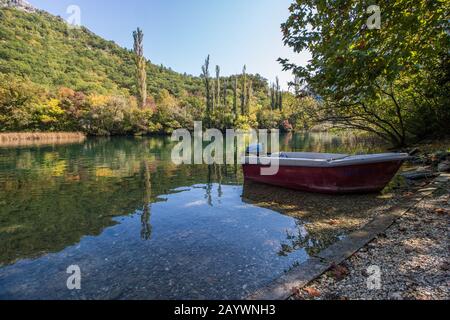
392 82
56 78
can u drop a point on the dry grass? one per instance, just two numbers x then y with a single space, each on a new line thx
14 139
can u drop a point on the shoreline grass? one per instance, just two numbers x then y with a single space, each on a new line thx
13 139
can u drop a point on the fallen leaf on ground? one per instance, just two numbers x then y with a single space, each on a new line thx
333 222
339 272
312 292
296 291
440 210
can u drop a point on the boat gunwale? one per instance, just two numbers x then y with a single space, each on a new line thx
351 160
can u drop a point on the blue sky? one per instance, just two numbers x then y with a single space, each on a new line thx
181 33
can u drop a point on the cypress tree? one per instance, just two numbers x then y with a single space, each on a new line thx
277 94
218 101
280 100
141 72
243 89
272 97
235 97
224 94
206 80
248 99
213 99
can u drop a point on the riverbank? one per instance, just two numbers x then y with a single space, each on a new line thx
18 139
362 223
412 257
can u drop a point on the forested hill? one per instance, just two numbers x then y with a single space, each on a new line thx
42 47
57 78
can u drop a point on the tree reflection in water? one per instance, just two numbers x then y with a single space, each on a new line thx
312 242
218 170
215 175
52 196
208 195
146 230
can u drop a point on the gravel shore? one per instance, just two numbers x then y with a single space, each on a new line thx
411 259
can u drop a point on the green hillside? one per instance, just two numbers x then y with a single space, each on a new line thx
57 78
43 48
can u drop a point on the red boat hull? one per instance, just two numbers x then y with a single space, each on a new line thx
361 178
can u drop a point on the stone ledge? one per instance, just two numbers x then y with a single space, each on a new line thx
283 287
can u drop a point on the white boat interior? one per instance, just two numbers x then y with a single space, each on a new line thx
309 155
311 159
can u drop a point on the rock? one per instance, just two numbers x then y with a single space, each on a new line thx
423 168
445 266
372 245
18 4
396 296
444 166
419 175
441 155
409 249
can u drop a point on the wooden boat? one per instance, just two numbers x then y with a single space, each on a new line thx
326 172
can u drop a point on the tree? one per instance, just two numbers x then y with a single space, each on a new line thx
278 95
373 79
280 100
235 97
273 103
224 95
213 98
141 71
296 85
243 89
218 101
249 94
206 79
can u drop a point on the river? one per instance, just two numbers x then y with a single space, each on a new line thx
138 226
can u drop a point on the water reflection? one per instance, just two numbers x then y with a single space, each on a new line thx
332 143
146 231
140 226
53 196
197 250
322 219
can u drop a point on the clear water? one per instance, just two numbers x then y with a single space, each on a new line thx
138 226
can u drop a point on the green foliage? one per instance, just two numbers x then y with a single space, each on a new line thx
246 122
390 81
56 78
44 49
